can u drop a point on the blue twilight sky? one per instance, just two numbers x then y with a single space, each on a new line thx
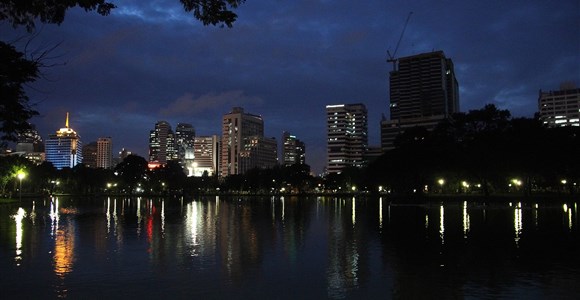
285 60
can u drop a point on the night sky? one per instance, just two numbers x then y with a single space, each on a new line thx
285 60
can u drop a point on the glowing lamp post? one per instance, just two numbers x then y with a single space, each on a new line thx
20 176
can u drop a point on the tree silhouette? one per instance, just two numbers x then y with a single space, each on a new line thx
16 69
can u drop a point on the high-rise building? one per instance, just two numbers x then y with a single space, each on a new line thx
105 153
293 150
90 155
64 149
29 141
184 141
347 138
236 127
31 146
259 152
206 152
560 108
423 92
161 144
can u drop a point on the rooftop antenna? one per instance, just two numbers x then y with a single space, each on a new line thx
392 57
66 123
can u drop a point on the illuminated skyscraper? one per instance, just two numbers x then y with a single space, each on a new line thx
184 141
236 127
64 149
423 92
293 150
347 138
206 152
161 144
105 153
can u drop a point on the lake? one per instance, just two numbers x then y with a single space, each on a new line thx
288 248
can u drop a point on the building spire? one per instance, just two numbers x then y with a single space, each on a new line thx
66 124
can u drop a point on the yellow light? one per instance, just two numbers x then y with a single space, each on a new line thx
564 181
464 183
21 175
441 181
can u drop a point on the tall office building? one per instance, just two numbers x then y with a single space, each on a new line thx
31 146
293 150
236 127
347 138
90 155
64 148
423 92
560 108
259 152
161 144
184 140
105 153
206 153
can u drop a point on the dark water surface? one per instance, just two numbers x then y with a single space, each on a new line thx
288 248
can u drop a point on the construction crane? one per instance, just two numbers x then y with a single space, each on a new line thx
392 56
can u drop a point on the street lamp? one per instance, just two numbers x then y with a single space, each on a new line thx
20 176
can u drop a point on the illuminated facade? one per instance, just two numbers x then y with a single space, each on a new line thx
105 153
293 150
161 144
236 127
184 141
423 92
560 108
259 152
347 136
206 153
64 148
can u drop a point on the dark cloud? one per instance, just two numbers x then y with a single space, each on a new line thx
286 60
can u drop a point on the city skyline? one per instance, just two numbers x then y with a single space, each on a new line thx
286 61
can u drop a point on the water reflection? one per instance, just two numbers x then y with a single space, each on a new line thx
442 224
331 247
518 223
466 220
20 214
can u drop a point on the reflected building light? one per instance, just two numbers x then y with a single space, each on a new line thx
138 216
64 249
565 207
115 217
466 221
518 224
381 213
162 218
108 214
353 211
33 213
442 224
570 218
192 225
20 214
217 205
427 220
54 216
536 215
283 207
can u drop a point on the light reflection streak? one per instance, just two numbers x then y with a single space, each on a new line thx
33 212
54 216
162 218
192 224
570 218
466 220
20 214
442 224
283 207
115 217
108 214
138 216
381 213
427 220
353 211
518 224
